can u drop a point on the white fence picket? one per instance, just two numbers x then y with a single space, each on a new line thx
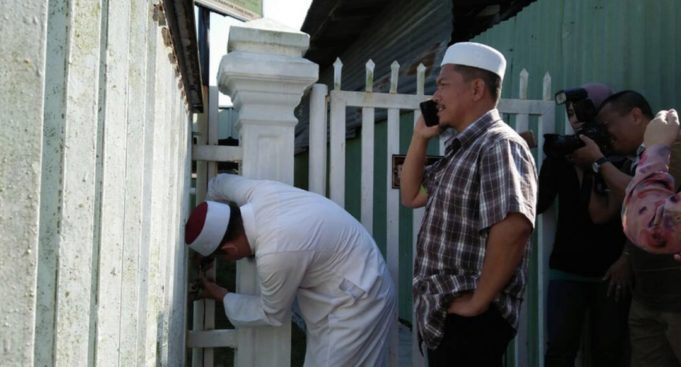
393 218
367 174
546 222
393 208
519 344
417 359
522 119
337 140
318 129
337 150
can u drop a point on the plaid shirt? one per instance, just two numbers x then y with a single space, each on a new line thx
487 172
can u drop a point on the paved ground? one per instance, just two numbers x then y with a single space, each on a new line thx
405 342
404 351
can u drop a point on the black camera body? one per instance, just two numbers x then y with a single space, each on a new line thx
556 145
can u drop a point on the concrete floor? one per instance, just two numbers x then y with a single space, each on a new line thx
405 346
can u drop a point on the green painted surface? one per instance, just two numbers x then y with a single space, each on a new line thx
623 43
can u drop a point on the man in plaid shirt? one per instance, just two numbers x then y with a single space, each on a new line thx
470 268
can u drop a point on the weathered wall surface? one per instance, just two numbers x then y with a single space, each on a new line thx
22 55
94 185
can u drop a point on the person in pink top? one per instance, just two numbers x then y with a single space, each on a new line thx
651 212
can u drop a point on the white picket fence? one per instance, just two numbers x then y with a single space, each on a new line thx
524 347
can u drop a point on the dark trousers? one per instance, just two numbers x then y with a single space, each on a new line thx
567 307
478 341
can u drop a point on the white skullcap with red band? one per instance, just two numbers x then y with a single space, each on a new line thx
476 55
206 227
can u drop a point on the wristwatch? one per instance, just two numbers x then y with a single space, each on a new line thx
596 166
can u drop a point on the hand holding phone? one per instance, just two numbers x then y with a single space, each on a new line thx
429 112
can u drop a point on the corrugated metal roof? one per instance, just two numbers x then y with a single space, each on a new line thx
409 32
335 24
628 44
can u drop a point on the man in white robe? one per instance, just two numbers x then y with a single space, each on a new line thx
304 246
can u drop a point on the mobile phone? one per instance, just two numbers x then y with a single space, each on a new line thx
429 112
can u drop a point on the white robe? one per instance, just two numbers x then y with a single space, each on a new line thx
308 247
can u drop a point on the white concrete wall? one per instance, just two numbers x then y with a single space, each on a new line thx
94 186
22 56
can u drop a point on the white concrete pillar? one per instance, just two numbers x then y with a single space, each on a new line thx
75 291
22 56
112 207
131 275
265 74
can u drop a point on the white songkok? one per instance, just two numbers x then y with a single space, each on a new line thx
476 55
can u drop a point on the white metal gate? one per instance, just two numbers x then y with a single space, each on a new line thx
527 348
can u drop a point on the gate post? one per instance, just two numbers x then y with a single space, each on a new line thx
265 74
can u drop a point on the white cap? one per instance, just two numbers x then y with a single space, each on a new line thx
476 55
206 227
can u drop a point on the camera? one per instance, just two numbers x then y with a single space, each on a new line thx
556 145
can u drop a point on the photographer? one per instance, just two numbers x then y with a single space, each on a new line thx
586 274
655 314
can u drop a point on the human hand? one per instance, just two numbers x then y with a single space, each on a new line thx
619 275
677 257
426 132
587 154
195 291
663 129
465 305
210 289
